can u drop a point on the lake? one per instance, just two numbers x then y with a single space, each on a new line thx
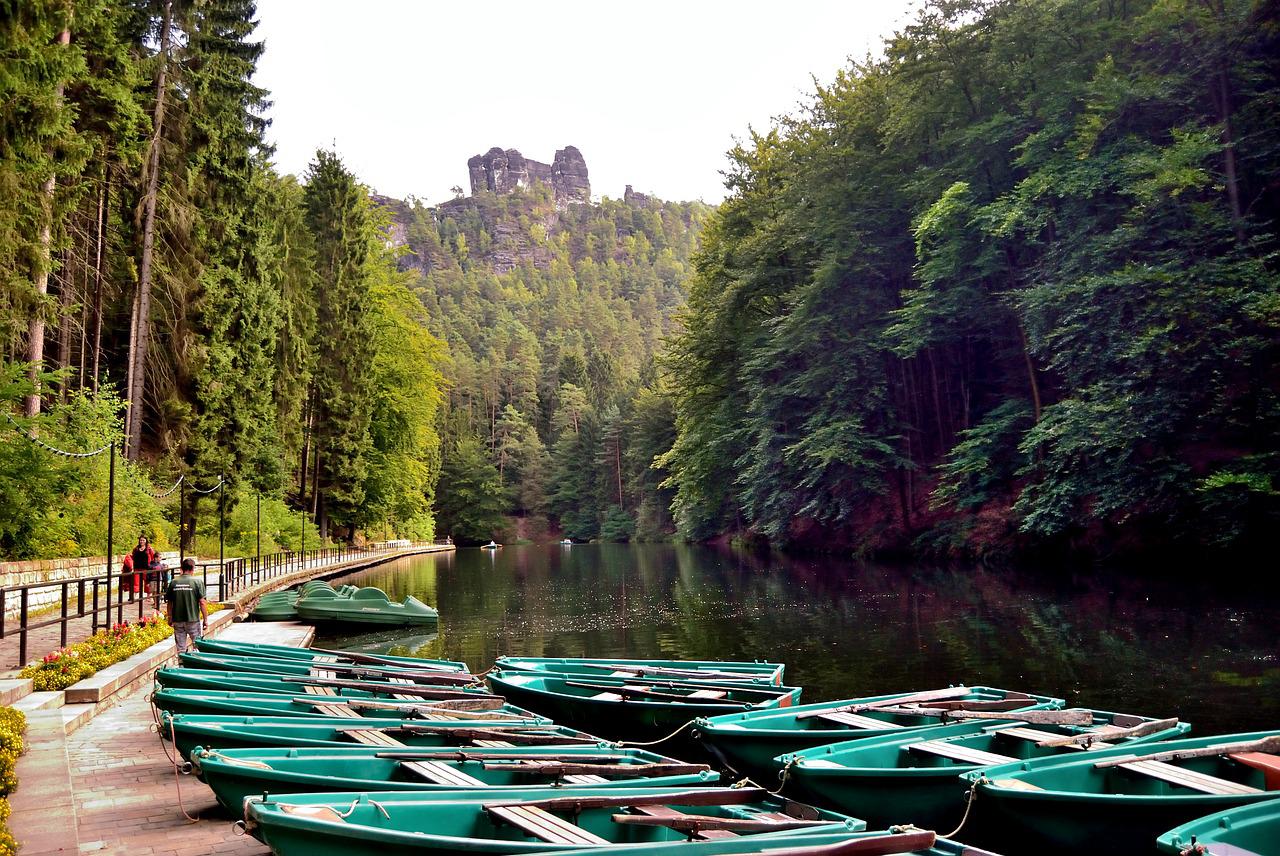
1104 640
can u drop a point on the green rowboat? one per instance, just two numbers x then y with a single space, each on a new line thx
298 666
520 821
639 709
816 842
366 606
322 655
749 741
1247 831
247 732
720 670
235 774
303 704
913 777
1052 804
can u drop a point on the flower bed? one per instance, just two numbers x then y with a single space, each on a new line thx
12 725
66 666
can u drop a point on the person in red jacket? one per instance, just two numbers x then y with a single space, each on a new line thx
129 583
143 557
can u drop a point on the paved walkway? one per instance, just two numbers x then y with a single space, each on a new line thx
126 799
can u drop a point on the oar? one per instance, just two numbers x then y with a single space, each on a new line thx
621 771
1269 745
428 708
701 823
1118 734
740 689
636 692
880 845
510 755
530 737
667 670
407 674
913 698
388 689
361 657
711 796
1074 716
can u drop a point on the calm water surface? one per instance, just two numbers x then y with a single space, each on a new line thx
844 629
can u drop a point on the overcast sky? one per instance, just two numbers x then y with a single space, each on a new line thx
653 93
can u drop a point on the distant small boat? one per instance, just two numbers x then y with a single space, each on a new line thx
492 545
566 542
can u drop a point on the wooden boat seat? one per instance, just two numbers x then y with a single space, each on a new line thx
607 697
624 674
855 720
405 696
1266 762
440 773
708 694
326 691
492 744
1035 736
544 825
337 710
664 811
324 673
371 737
1188 778
315 812
960 753
584 779
1016 785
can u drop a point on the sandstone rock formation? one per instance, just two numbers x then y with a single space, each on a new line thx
502 171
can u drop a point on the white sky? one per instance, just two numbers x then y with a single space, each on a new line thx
653 93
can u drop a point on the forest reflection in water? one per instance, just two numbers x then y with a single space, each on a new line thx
845 628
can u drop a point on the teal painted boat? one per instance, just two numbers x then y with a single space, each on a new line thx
247 732
719 670
913 777
235 774
281 605
639 709
298 666
1252 830
815 842
749 741
274 704
521 821
209 645
372 692
366 606
1052 804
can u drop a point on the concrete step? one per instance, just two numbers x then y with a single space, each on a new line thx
13 689
41 701
76 715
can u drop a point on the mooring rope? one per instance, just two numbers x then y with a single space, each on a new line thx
623 743
177 776
969 797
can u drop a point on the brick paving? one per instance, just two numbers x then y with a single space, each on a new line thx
125 796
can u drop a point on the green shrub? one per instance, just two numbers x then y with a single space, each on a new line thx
13 724
64 667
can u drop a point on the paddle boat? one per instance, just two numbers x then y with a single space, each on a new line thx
635 709
1252 830
749 741
368 605
1120 799
911 777
237 703
619 667
520 821
235 774
246 732
323 655
281 605
566 542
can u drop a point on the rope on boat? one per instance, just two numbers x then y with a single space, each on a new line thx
969 797
177 778
351 808
784 774
622 743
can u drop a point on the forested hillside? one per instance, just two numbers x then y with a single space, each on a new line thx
1013 284
553 315
161 286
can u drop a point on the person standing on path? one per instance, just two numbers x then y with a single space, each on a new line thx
143 556
185 606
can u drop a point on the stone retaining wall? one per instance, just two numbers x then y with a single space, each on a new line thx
55 571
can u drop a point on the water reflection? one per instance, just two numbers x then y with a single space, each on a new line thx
844 628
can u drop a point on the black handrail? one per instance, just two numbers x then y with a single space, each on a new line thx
237 575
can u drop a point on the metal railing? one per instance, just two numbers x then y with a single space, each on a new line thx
100 595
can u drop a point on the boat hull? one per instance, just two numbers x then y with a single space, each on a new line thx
1254 828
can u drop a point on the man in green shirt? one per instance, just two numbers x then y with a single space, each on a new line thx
185 606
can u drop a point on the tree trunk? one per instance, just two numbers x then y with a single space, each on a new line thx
35 326
104 200
1222 85
1031 371
142 320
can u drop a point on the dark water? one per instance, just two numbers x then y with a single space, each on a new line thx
844 629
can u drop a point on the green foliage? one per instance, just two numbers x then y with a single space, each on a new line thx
13 724
469 507
617 525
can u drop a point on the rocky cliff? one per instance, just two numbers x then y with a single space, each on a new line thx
505 170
